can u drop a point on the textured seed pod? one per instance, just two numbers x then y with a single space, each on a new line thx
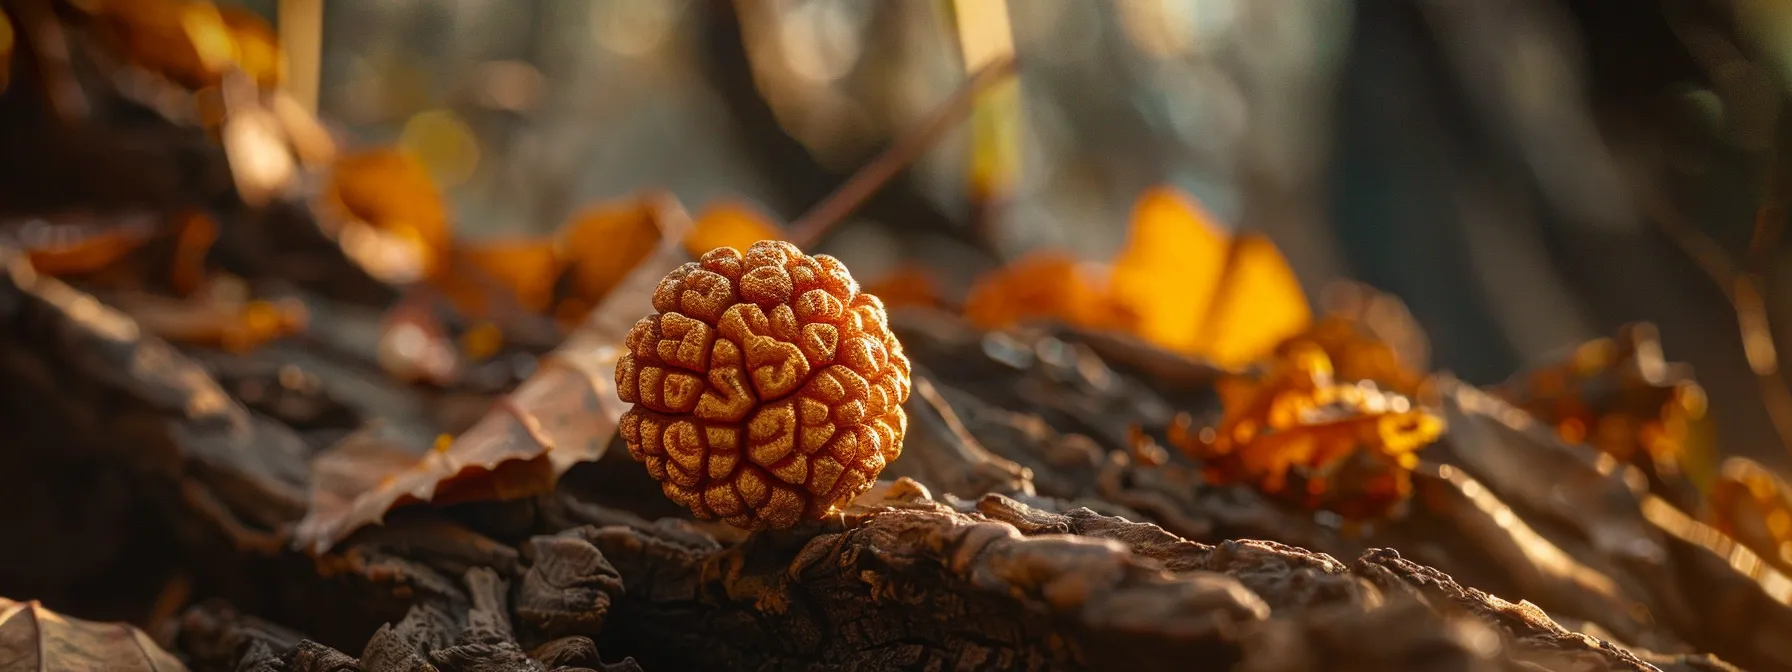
767 388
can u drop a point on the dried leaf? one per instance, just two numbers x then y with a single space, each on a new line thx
256 49
76 244
35 638
1046 284
909 285
1619 395
602 243
1199 291
526 268
1259 304
1357 354
730 223
185 41
1369 336
1754 506
1172 269
566 413
387 214
1300 436
1180 283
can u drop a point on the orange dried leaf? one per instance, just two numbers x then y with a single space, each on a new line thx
730 223
1384 317
191 42
1358 354
390 217
1300 436
1754 506
527 268
565 413
908 285
601 244
1181 283
84 252
185 41
1619 395
1045 284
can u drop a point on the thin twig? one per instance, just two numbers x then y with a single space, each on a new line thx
1744 292
808 229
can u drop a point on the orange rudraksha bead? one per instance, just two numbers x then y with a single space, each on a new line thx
767 388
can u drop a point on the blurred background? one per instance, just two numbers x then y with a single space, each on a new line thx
1525 174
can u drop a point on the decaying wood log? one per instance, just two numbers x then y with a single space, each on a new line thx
1052 543
906 582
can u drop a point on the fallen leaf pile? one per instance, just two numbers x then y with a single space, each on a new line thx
1619 395
1304 437
564 414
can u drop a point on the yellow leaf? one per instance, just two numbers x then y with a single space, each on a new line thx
1170 269
730 223
1258 305
399 209
1199 291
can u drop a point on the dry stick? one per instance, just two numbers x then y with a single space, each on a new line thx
1743 290
815 223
